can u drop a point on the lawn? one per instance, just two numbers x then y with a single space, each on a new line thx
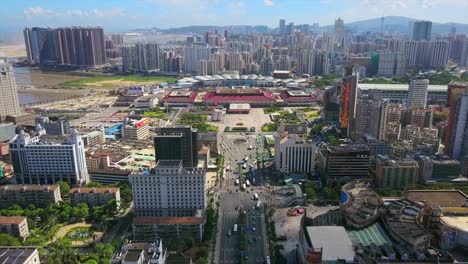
116 80
287 117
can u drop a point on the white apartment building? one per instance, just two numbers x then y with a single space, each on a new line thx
9 103
171 191
294 154
14 225
417 93
37 161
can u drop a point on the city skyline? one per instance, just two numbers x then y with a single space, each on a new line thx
127 15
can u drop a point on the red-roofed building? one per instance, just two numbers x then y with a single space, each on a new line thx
297 98
252 96
179 98
155 228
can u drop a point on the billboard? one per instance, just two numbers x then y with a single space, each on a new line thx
142 122
344 104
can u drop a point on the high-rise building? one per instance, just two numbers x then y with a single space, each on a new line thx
40 161
422 30
193 54
394 174
9 104
141 57
348 100
235 61
177 143
458 148
438 53
392 64
60 127
282 26
339 26
454 90
371 118
417 93
69 46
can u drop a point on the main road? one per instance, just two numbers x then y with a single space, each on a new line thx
233 199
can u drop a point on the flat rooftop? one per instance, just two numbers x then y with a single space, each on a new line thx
95 190
334 242
168 163
5 220
16 254
460 222
24 188
443 198
239 106
399 87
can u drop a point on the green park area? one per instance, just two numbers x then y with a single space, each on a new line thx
157 112
120 80
197 121
287 117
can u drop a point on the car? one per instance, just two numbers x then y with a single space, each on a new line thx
229 234
253 228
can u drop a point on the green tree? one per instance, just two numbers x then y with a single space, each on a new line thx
104 252
64 188
309 189
93 184
61 252
111 208
7 240
201 260
204 251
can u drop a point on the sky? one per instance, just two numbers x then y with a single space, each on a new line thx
124 15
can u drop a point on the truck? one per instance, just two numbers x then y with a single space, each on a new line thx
247 182
255 196
237 181
259 203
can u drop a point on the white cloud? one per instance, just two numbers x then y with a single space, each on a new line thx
240 4
268 3
39 11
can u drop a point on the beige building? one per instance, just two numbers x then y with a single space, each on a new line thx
9 103
136 130
94 196
24 195
14 225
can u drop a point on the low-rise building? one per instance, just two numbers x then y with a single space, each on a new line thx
141 252
14 225
94 196
24 195
99 159
19 255
394 174
147 101
438 168
154 228
136 129
109 176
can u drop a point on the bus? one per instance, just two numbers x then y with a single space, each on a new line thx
235 228
237 181
247 182
259 203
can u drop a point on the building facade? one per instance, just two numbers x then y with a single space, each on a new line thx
417 93
24 195
294 154
422 30
14 225
95 196
38 161
9 103
177 143
394 174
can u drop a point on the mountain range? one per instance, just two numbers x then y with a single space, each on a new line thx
392 25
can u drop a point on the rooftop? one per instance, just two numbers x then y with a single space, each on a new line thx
16 254
11 220
95 190
399 87
443 198
459 222
239 106
169 163
334 242
185 220
31 187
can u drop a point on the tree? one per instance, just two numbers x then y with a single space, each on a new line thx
93 184
201 260
204 251
7 240
104 252
64 188
111 208
61 252
309 189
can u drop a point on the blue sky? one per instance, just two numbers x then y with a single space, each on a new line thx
119 15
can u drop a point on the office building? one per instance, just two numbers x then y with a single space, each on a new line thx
95 196
294 153
177 143
19 255
421 30
135 130
389 173
78 46
60 127
9 104
41 161
24 195
454 90
14 225
348 100
438 168
458 148
341 164
417 93
173 190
